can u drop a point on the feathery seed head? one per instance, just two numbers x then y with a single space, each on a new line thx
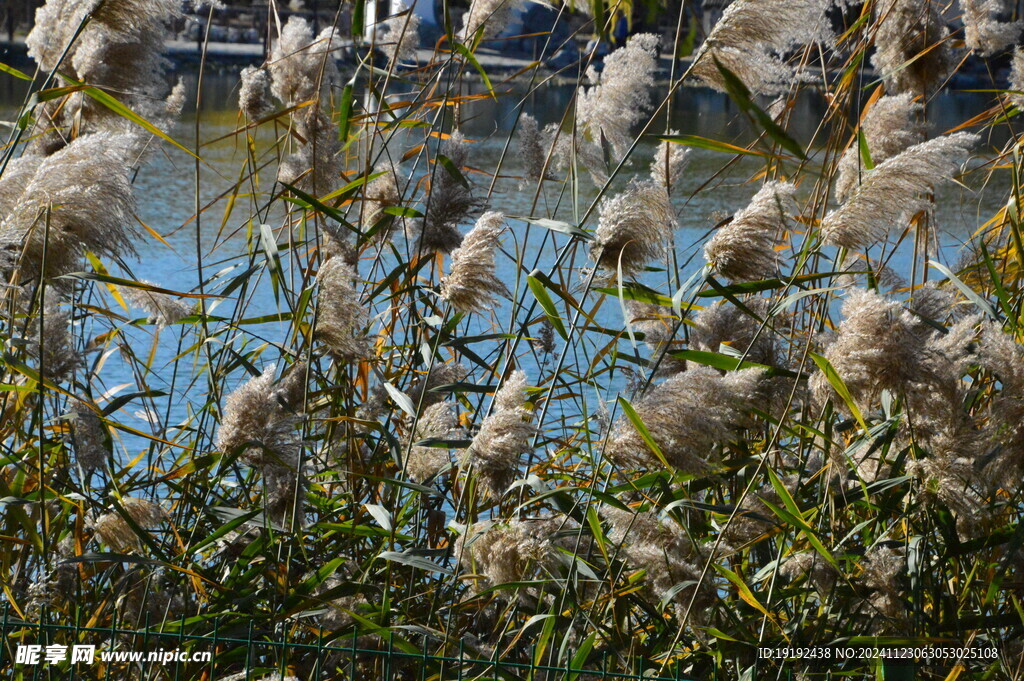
472 285
163 309
752 37
895 190
633 228
399 36
984 31
912 48
89 436
253 94
891 125
302 67
492 15
504 436
620 98
342 318
744 249
438 421
687 416
115 531
670 160
450 202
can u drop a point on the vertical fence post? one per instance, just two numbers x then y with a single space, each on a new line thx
248 654
213 653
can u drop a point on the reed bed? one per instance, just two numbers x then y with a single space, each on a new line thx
563 438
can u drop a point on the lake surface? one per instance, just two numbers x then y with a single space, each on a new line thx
166 194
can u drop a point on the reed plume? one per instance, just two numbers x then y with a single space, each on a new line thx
302 66
677 416
725 324
341 319
89 436
504 436
620 97
633 228
890 126
254 93
533 145
503 552
670 160
449 203
258 424
53 346
984 30
895 190
472 285
399 36
752 39
490 15
114 530
875 349
120 48
744 249
912 47
163 309
667 554
438 421
382 193
79 198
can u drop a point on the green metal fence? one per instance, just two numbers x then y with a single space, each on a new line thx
32 650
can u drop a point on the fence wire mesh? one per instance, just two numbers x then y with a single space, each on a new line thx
49 651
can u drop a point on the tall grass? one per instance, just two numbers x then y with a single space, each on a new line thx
570 437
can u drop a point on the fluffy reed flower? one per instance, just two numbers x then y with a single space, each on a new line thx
259 424
1004 357
381 193
670 160
891 125
491 15
819 573
895 190
686 416
341 317
881 569
115 531
89 436
744 249
912 48
621 96
449 203
437 421
875 349
120 48
253 94
664 551
753 36
503 437
53 347
532 147
632 228
163 309
301 66
506 552
16 176
440 375
658 325
725 324
399 36
79 198
1017 77
984 32
316 166
472 285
